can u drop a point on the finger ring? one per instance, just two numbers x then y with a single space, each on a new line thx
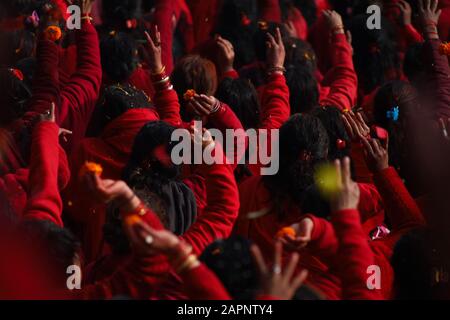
149 240
276 269
48 112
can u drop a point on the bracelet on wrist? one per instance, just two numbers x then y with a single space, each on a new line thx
140 210
188 264
160 72
272 70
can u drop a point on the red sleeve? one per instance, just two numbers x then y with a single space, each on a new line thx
411 35
220 213
140 276
341 77
275 103
354 254
168 106
402 210
80 94
269 10
137 279
225 119
233 74
324 243
44 201
162 17
439 71
202 284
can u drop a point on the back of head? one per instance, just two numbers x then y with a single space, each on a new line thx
232 262
115 13
331 118
118 56
303 145
194 72
15 96
375 54
303 88
241 96
237 23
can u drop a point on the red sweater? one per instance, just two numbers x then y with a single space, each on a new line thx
404 216
256 199
44 202
79 95
341 78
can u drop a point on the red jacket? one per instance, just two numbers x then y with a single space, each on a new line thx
341 78
256 199
77 98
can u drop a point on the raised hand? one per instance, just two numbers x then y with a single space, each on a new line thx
429 12
202 105
278 282
334 21
355 125
154 51
226 54
406 12
303 231
348 195
275 52
377 157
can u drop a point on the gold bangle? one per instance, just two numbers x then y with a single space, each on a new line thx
164 80
163 69
188 264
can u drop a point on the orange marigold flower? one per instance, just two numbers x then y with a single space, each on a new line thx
286 231
53 33
189 94
444 49
91 167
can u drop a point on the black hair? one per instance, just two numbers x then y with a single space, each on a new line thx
113 229
331 118
303 88
413 64
153 135
118 56
299 52
59 242
308 9
375 53
115 13
303 144
18 45
421 266
114 101
15 97
400 96
151 169
231 27
241 96
232 262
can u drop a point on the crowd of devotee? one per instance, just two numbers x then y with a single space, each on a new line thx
347 102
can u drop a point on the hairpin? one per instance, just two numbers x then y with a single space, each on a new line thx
245 20
33 19
340 144
393 113
262 25
112 33
17 73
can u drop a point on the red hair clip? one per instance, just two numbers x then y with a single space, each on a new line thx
17 73
245 21
340 144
